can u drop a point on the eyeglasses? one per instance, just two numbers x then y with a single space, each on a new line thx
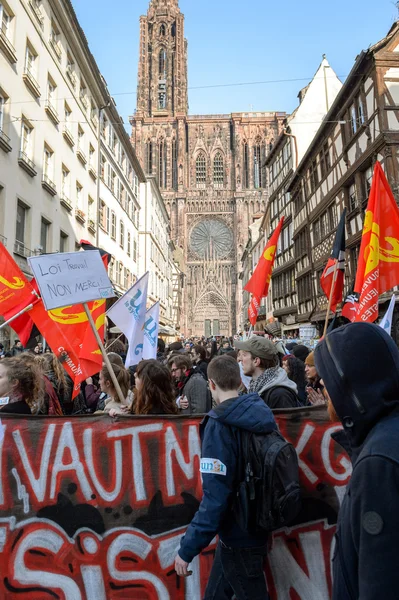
174 370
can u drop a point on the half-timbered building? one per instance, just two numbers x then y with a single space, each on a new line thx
314 102
361 127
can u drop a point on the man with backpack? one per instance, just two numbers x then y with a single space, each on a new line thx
241 496
259 359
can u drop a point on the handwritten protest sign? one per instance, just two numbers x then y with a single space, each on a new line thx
71 278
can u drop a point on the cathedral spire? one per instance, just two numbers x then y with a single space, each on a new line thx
164 4
162 80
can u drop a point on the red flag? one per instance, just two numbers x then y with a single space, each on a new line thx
253 310
378 265
331 285
259 283
15 289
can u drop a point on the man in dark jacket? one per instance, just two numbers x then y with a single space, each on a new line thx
192 390
238 564
363 393
259 359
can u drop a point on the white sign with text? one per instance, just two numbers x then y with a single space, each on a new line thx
71 278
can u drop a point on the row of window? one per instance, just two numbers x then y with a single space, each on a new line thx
282 158
24 213
108 222
108 134
115 185
326 223
284 284
158 287
285 241
121 275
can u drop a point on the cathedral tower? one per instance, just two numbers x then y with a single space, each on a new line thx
209 169
162 76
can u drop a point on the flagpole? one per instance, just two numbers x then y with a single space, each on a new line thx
113 341
104 353
331 296
21 312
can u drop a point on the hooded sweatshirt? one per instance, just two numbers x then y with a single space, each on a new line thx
364 390
219 466
276 388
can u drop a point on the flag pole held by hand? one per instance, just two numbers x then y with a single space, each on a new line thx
104 353
331 297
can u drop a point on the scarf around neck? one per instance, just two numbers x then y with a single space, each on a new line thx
263 380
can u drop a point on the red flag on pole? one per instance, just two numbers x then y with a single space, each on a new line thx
334 286
378 265
259 283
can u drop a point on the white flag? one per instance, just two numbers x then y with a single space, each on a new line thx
129 315
151 329
386 322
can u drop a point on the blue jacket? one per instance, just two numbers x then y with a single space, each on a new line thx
359 365
220 436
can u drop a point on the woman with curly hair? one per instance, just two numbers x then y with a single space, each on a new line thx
295 370
21 386
155 394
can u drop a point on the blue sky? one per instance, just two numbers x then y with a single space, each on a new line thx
231 41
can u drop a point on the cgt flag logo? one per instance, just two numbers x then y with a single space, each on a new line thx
378 265
15 288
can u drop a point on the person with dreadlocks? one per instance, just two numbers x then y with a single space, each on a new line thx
154 390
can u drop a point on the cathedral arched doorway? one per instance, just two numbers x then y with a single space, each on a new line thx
211 315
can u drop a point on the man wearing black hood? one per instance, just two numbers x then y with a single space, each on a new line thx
364 394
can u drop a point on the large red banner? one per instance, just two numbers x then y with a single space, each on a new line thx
93 509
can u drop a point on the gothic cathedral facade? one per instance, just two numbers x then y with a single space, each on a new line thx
209 169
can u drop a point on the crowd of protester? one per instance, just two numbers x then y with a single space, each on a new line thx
176 382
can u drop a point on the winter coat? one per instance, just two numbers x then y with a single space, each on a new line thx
365 393
196 391
220 436
202 367
282 394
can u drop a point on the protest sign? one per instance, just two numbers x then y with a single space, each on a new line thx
97 511
71 278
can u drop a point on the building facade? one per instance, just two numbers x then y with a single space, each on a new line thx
361 127
51 97
156 250
209 170
299 130
120 176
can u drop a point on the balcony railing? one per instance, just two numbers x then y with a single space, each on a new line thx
27 164
56 47
3 240
81 156
93 172
65 201
71 76
84 101
51 111
22 250
5 142
80 215
68 136
37 12
7 46
49 185
30 81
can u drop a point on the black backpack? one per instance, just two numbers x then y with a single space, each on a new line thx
268 496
